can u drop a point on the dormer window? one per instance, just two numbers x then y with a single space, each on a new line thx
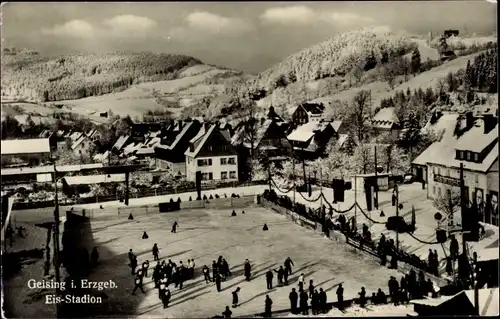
476 157
468 156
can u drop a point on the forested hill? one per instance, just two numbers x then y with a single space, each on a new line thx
28 74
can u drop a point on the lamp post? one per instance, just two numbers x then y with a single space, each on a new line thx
396 192
56 235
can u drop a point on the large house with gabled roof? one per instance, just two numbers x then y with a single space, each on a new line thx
211 153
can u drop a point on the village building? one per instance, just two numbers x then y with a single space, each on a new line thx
308 112
33 152
211 153
472 142
169 154
82 146
385 121
309 140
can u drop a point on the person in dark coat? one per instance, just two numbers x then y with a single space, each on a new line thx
225 265
174 227
181 275
156 274
165 298
145 235
293 296
381 297
269 279
218 282
454 249
155 252
303 303
94 257
436 263
215 268
362 297
268 307
315 302
235 297
265 228
133 264
322 301
288 265
145 267
311 288
138 282
340 297
281 273
206 273
130 255
248 269
227 313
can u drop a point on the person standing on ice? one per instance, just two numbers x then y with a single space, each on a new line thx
155 252
293 296
227 313
206 273
248 269
303 302
217 282
174 227
340 297
268 306
235 297
301 282
288 265
269 279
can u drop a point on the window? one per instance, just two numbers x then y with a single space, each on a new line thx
447 172
439 170
434 190
439 191
232 161
223 161
476 157
434 170
207 176
232 175
223 175
205 162
476 177
224 148
457 154
468 156
210 176
210 148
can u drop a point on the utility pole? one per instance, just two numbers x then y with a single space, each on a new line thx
396 189
294 177
355 197
463 205
376 180
321 190
56 237
269 176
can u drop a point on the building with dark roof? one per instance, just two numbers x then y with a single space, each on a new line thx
308 112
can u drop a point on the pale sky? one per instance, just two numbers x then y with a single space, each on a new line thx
249 36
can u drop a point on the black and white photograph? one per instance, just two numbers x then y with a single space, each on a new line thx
249 159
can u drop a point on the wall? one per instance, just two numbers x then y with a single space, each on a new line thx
174 168
216 168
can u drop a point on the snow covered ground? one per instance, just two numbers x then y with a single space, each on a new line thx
368 311
206 234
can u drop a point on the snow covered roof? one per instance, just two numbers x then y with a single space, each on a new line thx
443 152
200 142
342 139
432 301
94 179
79 141
446 124
384 116
29 146
303 133
120 142
336 125
488 254
75 136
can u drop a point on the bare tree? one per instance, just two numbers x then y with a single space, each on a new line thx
389 75
357 72
251 124
448 202
360 112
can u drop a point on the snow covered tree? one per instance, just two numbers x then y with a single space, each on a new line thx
448 202
415 61
363 160
360 113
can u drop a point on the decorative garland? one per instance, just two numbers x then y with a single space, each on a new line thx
281 191
422 241
311 200
367 217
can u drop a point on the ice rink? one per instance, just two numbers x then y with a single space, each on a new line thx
206 234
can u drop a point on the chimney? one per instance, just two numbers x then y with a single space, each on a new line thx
490 122
469 120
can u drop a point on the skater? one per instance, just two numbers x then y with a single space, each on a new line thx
362 297
303 302
181 275
293 296
130 217
133 264
227 313
94 257
138 283
225 266
288 265
155 252
233 214
311 288
268 306
340 297
145 235
130 255
285 277
269 279
248 269
215 269
193 266
280 273
174 227
145 266
265 228
301 282
314 302
156 274
217 282
235 297
322 301
206 274
188 272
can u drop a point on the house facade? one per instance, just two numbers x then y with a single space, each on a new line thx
309 140
385 121
30 151
213 155
307 112
82 146
476 147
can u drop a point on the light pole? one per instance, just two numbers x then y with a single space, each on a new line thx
56 235
396 191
